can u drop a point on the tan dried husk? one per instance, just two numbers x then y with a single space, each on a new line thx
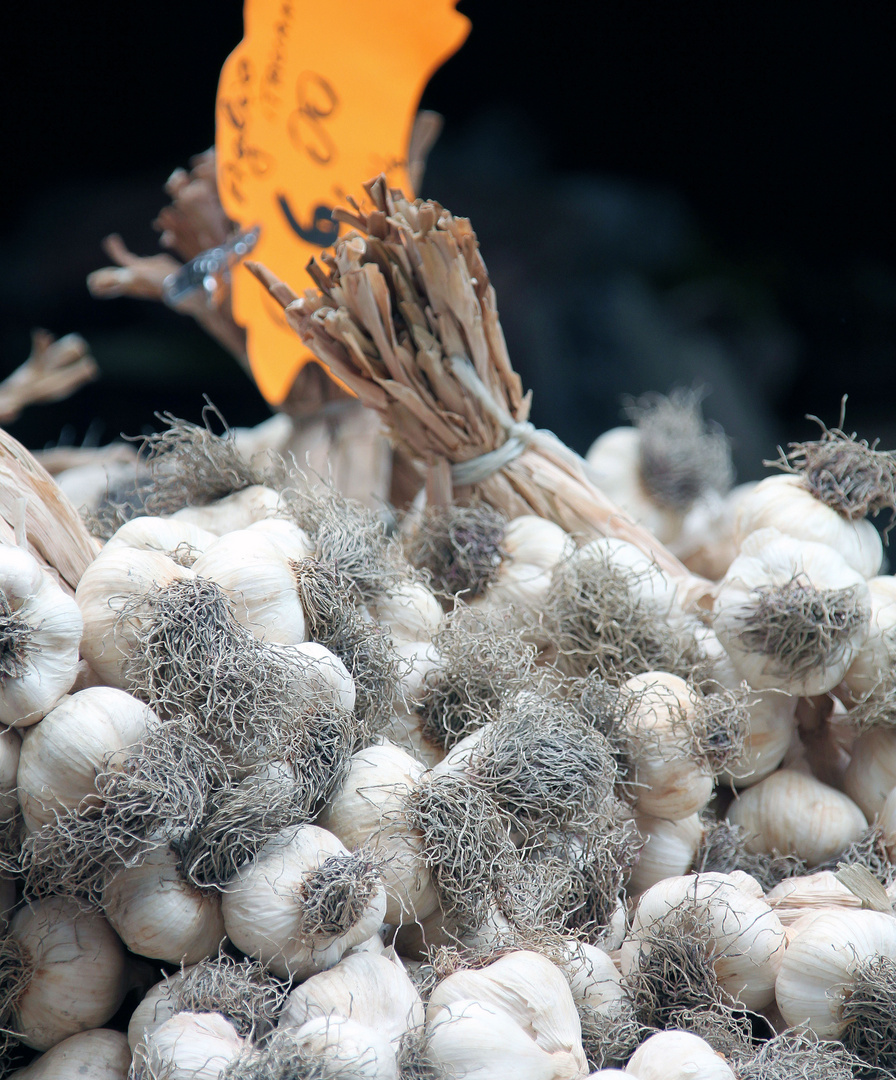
406 317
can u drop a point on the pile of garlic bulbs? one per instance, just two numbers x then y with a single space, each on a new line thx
287 794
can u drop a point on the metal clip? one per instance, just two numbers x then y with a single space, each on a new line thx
209 271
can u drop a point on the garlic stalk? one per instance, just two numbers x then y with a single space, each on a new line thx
303 901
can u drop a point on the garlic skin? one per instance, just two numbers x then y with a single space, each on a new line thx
160 915
369 809
263 904
668 782
649 584
792 898
40 630
877 655
62 755
369 989
781 502
791 812
887 823
353 1049
101 1054
771 560
236 511
470 1040
530 989
871 773
668 850
677 1055
820 963
254 574
155 1007
292 542
78 971
113 581
189 1046
747 938
532 547
10 755
410 613
594 981
177 539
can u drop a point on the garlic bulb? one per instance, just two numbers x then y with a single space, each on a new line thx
649 584
369 810
793 897
471 1040
10 754
677 1055
876 657
668 849
159 914
254 574
793 813
529 989
823 964
302 902
101 1054
73 972
887 823
62 755
783 503
178 539
236 511
189 1046
791 614
323 672
744 936
371 990
871 773
594 981
410 613
347 1048
668 779
40 630
114 582
531 548
292 542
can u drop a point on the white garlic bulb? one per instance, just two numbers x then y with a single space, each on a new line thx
302 902
291 541
791 614
668 849
178 539
159 914
236 511
189 1046
677 1055
649 584
254 574
100 1053
887 823
369 809
471 1040
323 672
876 656
746 939
792 813
594 981
372 990
781 502
871 773
348 1048
40 630
410 612
668 779
530 989
532 546
62 755
793 897
10 754
823 962
76 971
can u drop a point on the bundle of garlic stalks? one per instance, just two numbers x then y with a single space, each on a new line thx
284 796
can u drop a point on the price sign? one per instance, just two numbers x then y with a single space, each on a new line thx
317 98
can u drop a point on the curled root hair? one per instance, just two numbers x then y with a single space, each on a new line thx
16 971
337 893
459 548
870 1018
797 1055
242 991
723 849
15 641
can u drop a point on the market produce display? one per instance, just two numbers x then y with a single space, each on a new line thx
517 782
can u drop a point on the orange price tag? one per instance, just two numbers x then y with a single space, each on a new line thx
316 99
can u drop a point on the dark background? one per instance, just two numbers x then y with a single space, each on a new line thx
682 193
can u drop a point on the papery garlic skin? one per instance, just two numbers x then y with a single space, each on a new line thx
100 1054
79 971
530 989
887 823
372 990
594 981
875 659
348 1048
40 631
791 812
746 937
473 1041
323 672
820 964
10 754
155 1007
179 540
793 897
62 755
369 808
781 502
532 547
871 773
291 541
189 1046
253 573
677 1055
649 584
262 905
668 849
410 613
236 511
159 914
771 560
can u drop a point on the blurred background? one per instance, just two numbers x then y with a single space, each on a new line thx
665 194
